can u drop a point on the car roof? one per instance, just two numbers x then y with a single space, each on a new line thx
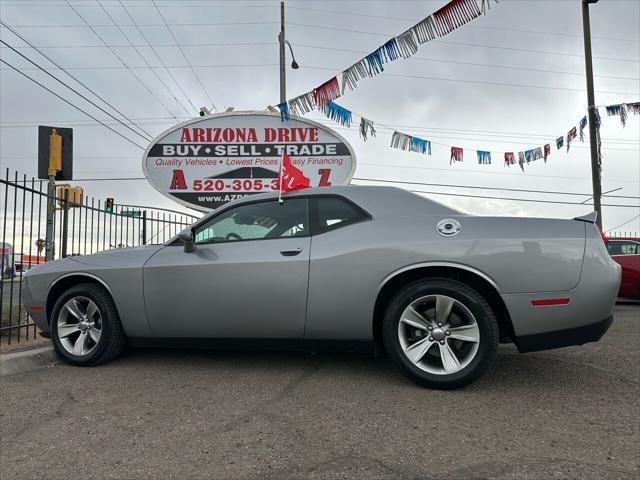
378 201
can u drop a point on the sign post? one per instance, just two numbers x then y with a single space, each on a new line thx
55 162
55 165
207 162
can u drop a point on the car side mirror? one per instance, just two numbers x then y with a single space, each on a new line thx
187 239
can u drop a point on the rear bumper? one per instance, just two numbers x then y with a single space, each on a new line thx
564 338
584 317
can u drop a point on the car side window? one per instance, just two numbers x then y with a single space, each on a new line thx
255 221
623 248
329 213
613 248
629 248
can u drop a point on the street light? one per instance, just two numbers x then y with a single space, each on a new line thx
294 64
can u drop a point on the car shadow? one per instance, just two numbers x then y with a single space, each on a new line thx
530 372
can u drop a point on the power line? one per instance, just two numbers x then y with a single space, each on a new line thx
417 183
396 75
415 191
549 192
233 65
184 55
346 50
517 199
144 59
142 34
218 24
390 126
8 27
119 58
79 25
148 67
623 224
436 143
468 26
393 126
511 136
73 105
445 132
466 171
363 32
417 57
232 44
385 130
545 52
147 137
481 82
213 44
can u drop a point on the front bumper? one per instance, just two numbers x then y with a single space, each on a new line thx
564 338
35 308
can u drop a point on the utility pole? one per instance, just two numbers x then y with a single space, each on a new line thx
281 38
591 108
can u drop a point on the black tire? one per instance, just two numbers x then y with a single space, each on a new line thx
468 297
112 339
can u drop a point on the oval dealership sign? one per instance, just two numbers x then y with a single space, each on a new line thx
207 162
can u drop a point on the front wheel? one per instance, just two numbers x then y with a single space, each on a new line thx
85 326
440 333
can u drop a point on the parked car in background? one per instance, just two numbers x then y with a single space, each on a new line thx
626 251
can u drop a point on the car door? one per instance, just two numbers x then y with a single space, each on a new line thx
247 277
339 276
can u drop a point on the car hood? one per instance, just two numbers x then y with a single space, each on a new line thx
120 257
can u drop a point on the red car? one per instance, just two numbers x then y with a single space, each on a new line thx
626 252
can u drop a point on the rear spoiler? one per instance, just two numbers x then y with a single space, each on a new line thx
589 217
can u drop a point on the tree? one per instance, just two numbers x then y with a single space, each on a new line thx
40 245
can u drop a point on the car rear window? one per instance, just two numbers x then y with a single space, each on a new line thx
329 213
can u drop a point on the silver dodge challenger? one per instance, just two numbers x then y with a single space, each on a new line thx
432 288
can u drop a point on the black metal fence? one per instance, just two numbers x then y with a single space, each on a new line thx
78 230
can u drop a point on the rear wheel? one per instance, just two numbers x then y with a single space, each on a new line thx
440 333
85 326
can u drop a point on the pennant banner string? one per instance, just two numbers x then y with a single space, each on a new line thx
412 143
451 16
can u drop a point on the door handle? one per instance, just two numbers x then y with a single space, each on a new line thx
291 253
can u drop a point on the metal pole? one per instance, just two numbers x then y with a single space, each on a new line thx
51 205
593 141
283 78
55 164
144 227
65 223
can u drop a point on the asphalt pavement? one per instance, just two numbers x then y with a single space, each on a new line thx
571 413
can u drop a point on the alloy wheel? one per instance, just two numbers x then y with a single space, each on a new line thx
438 334
79 326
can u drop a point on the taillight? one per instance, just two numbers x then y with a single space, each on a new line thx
602 235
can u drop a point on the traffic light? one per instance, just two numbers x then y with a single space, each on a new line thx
108 206
55 150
